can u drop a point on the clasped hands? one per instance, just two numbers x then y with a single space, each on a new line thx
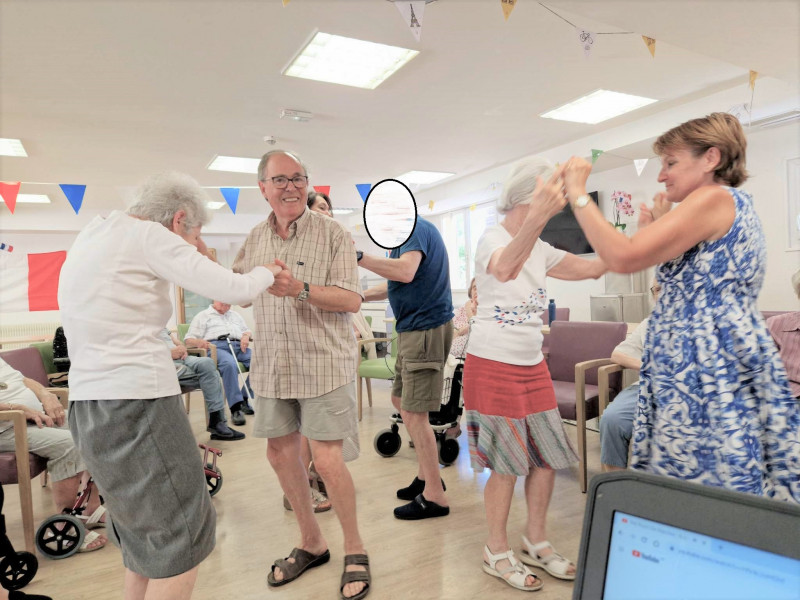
285 284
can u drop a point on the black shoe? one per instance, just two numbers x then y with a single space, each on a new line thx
247 409
419 508
221 431
237 417
415 489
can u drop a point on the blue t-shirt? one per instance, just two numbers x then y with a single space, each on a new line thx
426 302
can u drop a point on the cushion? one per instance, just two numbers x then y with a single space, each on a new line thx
378 368
8 467
565 397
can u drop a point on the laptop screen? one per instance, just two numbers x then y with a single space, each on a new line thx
648 560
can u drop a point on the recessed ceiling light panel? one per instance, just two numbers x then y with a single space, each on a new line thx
423 177
12 147
347 61
214 205
33 199
597 107
234 164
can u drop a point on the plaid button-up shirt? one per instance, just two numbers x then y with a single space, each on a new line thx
301 351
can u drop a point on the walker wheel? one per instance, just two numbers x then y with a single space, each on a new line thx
213 479
448 451
60 536
17 570
387 443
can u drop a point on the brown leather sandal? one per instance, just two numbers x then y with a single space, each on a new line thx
292 570
356 576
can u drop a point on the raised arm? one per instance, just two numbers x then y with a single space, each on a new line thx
574 268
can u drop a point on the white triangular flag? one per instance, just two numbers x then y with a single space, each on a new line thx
412 12
586 38
639 163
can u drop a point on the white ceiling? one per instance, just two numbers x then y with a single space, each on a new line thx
107 93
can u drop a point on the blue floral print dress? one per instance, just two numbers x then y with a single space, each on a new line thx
714 402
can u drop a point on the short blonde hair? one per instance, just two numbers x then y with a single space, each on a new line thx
718 130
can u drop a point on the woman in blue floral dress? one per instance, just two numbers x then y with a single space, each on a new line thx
714 405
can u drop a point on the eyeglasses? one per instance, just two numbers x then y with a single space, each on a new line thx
280 182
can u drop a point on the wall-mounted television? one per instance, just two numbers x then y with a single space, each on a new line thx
563 231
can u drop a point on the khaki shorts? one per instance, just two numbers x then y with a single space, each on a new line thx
331 416
419 373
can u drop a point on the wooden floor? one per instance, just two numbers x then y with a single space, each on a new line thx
421 560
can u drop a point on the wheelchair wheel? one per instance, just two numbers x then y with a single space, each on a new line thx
60 536
18 569
387 443
448 451
213 479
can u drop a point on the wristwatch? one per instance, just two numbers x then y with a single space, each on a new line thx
582 201
359 255
303 295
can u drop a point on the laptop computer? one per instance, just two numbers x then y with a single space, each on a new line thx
647 537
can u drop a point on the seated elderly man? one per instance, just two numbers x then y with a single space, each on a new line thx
201 372
48 438
785 330
218 320
616 424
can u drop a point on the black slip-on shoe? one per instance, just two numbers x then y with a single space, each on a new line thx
247 408
419 508
415 489
222 432
237 418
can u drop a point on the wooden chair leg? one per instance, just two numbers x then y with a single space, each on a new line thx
369 391
359 398
25 493
580 421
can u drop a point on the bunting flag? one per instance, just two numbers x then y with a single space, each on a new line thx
9 191
595 155
651 45
586 38
285 2
74 194
231 196
323 189
30 281
431 205
363 190
412 12
753 76
639 163
508 6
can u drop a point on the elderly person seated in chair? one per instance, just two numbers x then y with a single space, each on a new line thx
211 326
200 372
48 438
785 330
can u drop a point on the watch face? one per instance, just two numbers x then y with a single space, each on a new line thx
582 201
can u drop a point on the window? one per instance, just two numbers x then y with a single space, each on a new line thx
461 230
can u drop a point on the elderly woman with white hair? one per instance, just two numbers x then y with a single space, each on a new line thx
514 429
126 414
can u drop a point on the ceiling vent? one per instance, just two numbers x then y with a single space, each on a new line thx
296 115
775 120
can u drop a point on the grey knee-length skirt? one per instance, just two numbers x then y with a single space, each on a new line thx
144 458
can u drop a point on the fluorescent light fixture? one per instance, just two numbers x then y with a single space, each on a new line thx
347 61
597 107
11 147
213 205
234 164
423 177
33 199
343 211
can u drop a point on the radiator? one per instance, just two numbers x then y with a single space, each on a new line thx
25 330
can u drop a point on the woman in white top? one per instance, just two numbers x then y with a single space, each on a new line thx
126 414
513 423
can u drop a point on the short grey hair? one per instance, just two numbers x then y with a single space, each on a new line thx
161 197
521 182
262 166
796 283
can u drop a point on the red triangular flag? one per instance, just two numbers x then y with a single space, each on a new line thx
9 191
323 189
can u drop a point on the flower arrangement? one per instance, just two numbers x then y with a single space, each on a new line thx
621 203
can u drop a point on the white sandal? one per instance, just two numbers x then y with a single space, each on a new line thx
519 572
555 564
93 522
91 537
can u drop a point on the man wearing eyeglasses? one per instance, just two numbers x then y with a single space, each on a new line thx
303 372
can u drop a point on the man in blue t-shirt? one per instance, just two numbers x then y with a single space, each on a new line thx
418 289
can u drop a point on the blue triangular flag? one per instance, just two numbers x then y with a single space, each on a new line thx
363 190
231 196
74 194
